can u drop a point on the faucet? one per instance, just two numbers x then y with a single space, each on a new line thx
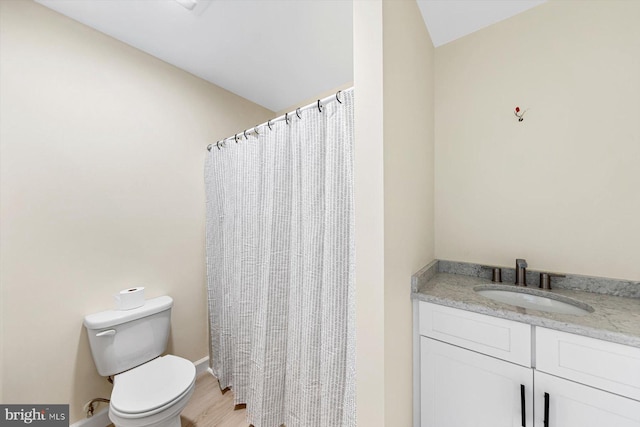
521 272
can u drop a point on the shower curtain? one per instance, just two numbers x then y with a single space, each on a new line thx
280 269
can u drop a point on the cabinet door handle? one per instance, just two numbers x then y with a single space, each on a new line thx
523 411
546 410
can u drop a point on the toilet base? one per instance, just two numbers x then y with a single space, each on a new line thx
169 417
170 422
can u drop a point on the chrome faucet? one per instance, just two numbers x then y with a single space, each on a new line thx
521 272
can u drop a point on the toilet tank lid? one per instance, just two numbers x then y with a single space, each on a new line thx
108 318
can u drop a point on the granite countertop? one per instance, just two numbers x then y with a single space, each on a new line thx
615 318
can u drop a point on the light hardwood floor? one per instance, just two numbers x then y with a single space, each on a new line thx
209 407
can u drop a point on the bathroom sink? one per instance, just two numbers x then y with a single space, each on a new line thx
534 299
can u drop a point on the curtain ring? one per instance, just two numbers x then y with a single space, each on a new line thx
337 98
319 106
286 118
218 144
209 147
245 135
235 137
269 124
255 129
298 113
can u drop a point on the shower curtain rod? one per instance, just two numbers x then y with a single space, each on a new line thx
319 104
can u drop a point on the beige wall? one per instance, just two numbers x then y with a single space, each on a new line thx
561 188
369 212
408 190
393 77
102 188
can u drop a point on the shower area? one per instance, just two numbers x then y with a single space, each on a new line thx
280 257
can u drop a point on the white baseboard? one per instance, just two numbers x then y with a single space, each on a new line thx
202 365
99 419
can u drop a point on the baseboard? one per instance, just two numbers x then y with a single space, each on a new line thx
99 419
202 365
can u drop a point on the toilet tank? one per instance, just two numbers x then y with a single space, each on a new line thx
123 339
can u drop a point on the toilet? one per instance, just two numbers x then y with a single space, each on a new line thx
148 389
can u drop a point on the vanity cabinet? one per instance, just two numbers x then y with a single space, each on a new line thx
463 388
477 370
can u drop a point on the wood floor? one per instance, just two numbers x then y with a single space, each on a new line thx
208 407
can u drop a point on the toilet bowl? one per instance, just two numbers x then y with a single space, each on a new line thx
149 390
153 394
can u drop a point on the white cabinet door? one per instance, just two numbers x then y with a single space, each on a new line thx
575 405
461 388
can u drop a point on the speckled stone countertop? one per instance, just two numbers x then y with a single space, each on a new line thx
615 318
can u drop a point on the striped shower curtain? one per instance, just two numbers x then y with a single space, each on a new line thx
280 269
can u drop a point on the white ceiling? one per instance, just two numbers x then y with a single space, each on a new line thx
448 20
275 53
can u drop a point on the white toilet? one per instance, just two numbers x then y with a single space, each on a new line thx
147 390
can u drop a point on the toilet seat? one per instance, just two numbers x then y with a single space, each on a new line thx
152 387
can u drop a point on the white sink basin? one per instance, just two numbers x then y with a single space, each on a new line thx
534 299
